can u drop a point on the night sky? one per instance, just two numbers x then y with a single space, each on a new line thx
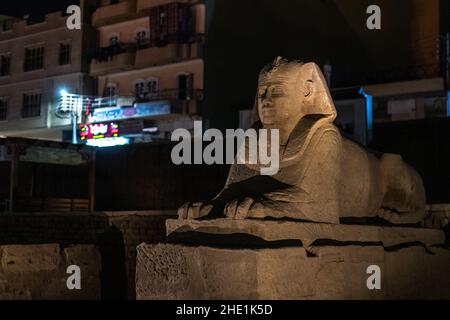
35 8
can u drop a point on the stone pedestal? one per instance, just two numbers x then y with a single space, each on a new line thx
225 259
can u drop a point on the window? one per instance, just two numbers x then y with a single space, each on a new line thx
141 38
110 95
110 91
31 105
7 25
162 20
3 109
434 106
34 58
152 88
185 82
163 25
5 65
139 89
64 53
113 40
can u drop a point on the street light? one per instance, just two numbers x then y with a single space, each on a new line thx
70 105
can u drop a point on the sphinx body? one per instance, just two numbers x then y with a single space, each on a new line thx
322 177
334 178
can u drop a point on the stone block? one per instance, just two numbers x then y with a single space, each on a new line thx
39 272
86 257
307 233
30 258
214 260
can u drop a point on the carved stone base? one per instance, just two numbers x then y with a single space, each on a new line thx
292 260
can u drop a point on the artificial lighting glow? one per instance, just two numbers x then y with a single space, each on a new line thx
151 130
63 92
448 103
369 111
108 142
99 129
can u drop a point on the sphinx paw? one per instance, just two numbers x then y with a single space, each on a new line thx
438 220
386 214
239 209
194 210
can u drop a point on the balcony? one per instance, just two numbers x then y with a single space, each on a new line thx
178 99
112 102
161 55
174 94
124 56
148 4
114 13
163 102
114 63
161 95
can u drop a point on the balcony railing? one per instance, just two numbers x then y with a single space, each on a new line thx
149 4
114 13
157 56
111 102
171 95
140 54
112 59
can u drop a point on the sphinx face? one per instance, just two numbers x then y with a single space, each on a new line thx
279 104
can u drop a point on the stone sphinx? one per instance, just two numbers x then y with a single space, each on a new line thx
323 177
296 234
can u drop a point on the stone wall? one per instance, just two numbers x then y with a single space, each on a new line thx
137 229
40 272
143 177
115 235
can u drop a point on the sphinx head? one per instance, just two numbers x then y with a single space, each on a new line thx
290 90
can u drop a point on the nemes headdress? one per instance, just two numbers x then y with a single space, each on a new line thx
280 68
297 73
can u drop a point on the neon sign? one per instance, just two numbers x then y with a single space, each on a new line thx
97 131
108 142
140 110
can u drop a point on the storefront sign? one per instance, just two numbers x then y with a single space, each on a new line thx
140 110
52 156
95 131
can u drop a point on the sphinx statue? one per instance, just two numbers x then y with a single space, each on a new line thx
323 177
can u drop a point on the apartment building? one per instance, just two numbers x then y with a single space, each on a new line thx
413 61
37 61
149 66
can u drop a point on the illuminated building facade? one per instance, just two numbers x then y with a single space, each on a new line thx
149 66
37 61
